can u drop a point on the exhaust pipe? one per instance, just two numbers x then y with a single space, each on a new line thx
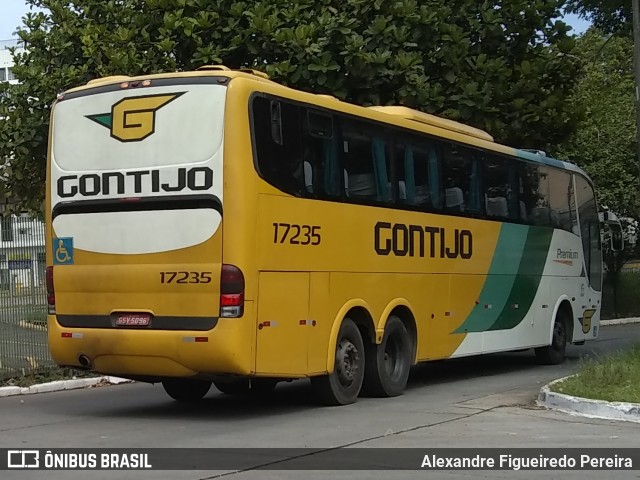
85 362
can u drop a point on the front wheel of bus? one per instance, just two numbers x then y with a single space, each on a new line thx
342 386
186 389
388 364
554 354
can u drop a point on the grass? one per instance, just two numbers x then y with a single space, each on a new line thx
44 375
614 378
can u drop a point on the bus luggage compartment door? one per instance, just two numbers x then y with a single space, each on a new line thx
283 324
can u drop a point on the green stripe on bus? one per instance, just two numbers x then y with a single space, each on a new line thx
499 282
528 279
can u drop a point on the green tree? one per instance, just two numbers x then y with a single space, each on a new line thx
505 67
609 16
604 141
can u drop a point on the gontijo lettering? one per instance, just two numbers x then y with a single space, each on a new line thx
417 240
137 181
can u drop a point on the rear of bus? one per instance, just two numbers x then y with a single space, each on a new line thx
136 282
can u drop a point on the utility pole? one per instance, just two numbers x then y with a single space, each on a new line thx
636 66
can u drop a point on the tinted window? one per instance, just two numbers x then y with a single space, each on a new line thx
365 159
417 172
279 149
562 200
295 148
461 179
499 195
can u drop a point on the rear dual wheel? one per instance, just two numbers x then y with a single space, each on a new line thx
382 369
388 364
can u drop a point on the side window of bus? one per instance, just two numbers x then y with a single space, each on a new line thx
277 132
417 172
589 231
562 200
365 158
320 159
499 195
534 194
461 179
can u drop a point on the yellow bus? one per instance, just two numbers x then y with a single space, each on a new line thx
217 227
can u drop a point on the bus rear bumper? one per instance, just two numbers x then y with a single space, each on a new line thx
226 349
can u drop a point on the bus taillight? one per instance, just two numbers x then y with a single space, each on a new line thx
51 294
231 292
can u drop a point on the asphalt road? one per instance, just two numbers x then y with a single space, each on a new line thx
477 402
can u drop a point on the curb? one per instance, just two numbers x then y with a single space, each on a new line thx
585 407
620 321
61 385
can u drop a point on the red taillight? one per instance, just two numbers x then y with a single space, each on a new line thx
51 294
231 292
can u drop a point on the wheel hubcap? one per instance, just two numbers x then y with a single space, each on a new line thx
348 359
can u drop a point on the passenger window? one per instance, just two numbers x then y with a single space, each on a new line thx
534 195
366 162
498 195
461 179
562 200
417 172
295 148
277 132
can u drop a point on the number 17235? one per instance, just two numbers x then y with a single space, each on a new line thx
296 234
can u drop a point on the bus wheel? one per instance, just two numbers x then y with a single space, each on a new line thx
343 385
236 386
554 354
388 364
186 389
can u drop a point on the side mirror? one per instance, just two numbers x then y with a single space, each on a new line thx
617 240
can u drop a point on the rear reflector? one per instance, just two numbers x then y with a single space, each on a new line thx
231 292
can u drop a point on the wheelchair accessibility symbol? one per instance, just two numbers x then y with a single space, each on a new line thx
63 251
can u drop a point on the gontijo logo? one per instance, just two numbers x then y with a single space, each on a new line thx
133 119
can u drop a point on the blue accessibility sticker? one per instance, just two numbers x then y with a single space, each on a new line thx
63 251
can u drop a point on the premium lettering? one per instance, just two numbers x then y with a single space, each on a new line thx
135 182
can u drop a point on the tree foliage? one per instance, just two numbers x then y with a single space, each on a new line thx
604 142
502 66
609 16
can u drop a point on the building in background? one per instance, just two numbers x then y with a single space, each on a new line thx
6 60
22 253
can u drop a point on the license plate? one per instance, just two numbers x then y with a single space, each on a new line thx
133 319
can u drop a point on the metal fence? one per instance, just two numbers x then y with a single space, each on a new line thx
23 300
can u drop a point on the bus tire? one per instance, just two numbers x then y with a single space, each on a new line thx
554 354
388 364
236 386
343 385
186 389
